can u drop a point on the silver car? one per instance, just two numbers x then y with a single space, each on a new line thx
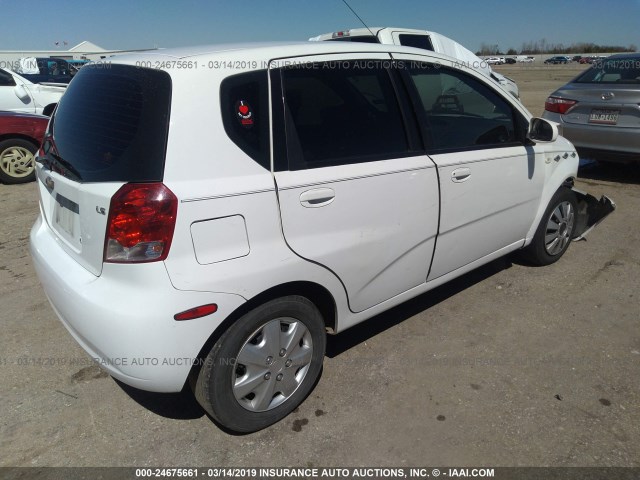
599 110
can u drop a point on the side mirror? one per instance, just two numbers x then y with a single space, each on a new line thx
22 93
542 131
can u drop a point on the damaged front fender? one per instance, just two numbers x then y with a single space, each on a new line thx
591 212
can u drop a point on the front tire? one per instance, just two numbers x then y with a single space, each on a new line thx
264 365
17 161
554 234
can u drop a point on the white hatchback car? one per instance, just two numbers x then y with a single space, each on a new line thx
209 214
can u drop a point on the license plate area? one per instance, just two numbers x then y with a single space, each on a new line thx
604 116
66 219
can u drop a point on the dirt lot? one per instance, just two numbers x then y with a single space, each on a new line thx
537 81
507 366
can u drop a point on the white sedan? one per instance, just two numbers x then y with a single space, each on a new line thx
17 94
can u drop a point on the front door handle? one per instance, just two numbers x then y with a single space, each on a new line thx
318 197
461 175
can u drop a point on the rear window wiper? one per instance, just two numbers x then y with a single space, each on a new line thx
51 161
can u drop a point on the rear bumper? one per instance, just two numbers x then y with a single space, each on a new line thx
608 155
598 138
124 318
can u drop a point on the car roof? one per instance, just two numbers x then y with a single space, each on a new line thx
633 55
255 56
266 51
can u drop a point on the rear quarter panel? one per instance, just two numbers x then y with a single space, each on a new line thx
214 179
33 127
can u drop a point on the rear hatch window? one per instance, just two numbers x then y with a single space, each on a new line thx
613 70
112 123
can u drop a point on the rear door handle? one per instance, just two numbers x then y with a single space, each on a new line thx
318 197
460 175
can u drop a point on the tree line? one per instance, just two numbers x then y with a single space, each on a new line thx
542 47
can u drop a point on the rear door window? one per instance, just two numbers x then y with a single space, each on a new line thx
244 99
111 125
339 113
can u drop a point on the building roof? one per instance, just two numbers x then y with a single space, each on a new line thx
88 47
82 47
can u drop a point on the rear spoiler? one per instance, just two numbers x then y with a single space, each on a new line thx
591 212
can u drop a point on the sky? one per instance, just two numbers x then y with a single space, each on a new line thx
136 24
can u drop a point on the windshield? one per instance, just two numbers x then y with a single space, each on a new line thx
613 70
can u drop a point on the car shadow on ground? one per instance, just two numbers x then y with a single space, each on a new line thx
177 406
337 344
610 172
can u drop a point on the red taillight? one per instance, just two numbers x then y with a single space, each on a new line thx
558 105
142 217
47 146
197 312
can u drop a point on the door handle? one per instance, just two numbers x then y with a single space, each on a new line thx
460 175
318 197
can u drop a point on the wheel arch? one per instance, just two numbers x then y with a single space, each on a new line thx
564 179
314 292
10 136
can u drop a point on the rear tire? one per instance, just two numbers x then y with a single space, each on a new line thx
17 161
264 365
555 231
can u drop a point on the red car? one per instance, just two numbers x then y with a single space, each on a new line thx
20 137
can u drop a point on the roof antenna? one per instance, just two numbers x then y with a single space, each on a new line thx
361 21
